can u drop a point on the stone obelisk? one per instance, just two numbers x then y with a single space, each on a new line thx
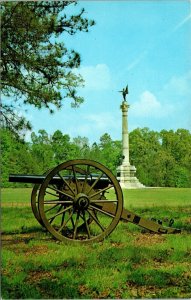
126 172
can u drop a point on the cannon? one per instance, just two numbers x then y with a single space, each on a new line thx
81 201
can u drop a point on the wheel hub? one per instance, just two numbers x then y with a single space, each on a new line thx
82 201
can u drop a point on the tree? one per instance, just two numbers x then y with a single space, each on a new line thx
16 158
177 162
82 144
95 152
144 151
110 152
41 150
60 146
37 68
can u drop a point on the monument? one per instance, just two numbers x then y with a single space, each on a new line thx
126 172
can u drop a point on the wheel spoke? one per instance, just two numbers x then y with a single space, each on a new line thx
55 195
76 225
51 208
59 209
95 182
75 179
72 221
102 201
64 224
63 216
61 192
66 183
87 226
86 177
102 211
51 200
59 213
96 220
58 202
100 191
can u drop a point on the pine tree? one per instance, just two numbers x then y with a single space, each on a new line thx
36 68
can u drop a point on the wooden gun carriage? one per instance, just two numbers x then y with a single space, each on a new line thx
81 201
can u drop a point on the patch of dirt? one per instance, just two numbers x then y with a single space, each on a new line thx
17 245
149 239
36 276
137 291
188 220
118 244
63 266
21 244
13 237
158 263
38 249
85 291
187 275
105 294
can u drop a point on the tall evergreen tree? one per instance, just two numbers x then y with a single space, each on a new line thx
37 68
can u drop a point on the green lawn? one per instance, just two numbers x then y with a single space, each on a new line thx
127 264
157 197
15 195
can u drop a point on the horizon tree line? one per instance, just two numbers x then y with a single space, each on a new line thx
161 158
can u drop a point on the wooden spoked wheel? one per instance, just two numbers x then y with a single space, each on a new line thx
34 201
70 207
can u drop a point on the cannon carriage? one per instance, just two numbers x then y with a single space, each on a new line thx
81 201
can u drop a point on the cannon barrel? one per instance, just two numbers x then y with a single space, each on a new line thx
31 178
38 179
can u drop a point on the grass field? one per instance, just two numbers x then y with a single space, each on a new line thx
128 264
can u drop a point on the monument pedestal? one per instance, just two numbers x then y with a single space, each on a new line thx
127 178
126 172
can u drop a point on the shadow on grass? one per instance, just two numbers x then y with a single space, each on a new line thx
23 230
25 235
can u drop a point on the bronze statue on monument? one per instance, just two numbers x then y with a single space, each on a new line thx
124 92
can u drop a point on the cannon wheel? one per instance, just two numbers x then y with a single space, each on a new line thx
34 201
72 211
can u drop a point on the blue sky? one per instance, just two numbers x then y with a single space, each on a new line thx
145 44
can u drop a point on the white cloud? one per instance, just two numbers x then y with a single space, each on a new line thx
149 106
103 121
93 125
180 85
96 77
